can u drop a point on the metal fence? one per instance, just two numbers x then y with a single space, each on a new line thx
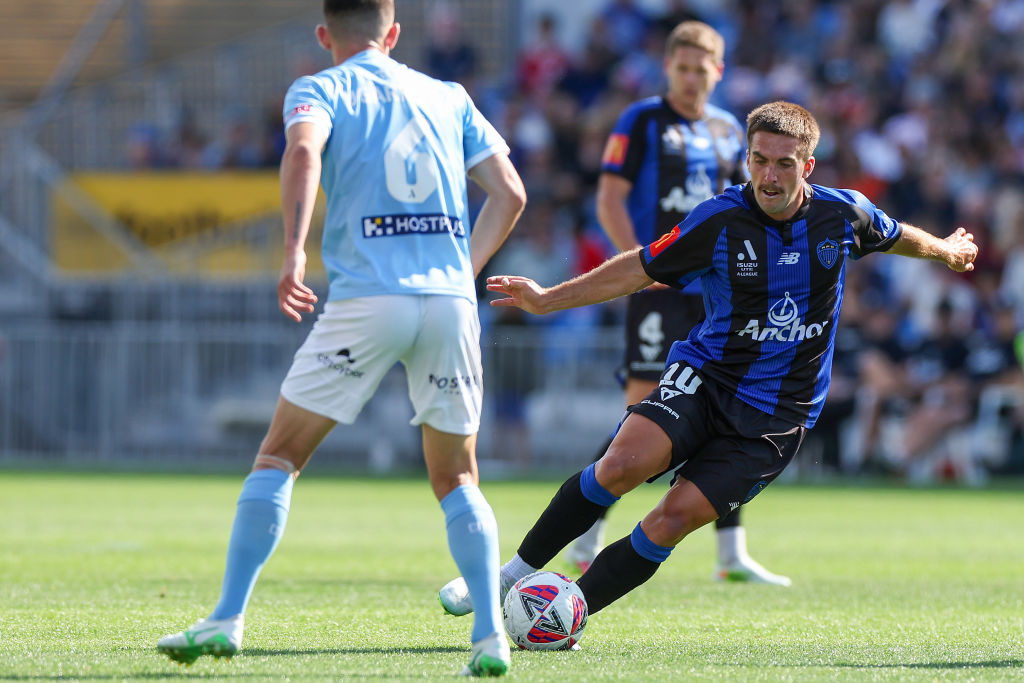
153 393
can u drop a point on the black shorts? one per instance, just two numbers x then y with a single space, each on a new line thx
654 319
728 449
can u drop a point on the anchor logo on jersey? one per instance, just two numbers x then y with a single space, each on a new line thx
783 312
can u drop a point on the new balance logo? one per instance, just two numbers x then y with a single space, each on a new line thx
788 258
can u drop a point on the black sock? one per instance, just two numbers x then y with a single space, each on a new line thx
616 571
597 456
568 515
730 520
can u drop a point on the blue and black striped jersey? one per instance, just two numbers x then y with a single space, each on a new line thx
772 291
674 163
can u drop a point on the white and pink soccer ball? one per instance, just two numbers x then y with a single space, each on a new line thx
545 611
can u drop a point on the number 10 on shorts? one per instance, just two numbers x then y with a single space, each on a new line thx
686 382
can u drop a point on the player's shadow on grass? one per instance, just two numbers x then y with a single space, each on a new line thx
197 670
257 652
991 664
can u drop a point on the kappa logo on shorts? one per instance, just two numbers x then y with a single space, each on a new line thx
340 362
667 393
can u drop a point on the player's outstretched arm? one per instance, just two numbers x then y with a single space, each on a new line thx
506 198
618 276
300 177
957 251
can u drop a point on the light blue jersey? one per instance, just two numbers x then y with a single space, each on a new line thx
394 173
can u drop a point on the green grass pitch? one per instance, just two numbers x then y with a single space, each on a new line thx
889 584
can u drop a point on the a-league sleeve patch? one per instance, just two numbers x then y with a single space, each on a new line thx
615 149
663 242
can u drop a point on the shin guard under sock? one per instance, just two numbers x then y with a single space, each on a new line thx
259 524
621 567
570 513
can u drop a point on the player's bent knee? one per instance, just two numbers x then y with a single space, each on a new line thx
618 472
666 531
272 462
670 522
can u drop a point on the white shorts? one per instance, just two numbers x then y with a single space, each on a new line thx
356 341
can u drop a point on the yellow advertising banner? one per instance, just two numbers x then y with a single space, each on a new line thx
218 224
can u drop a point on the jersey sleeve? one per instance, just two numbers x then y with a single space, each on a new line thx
624 151
685 253
873 230
480 139
308 100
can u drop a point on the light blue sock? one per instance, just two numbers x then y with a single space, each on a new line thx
473 542
259 524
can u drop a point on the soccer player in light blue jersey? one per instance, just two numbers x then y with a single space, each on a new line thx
392 149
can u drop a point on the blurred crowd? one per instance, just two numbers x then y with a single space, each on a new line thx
921 106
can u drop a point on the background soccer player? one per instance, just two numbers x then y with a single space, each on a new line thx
666 155
738 395
392 148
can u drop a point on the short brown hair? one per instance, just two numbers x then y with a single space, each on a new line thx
696 34
359 19
785 118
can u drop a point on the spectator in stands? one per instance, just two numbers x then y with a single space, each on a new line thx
937 373
627 25
450 56
543 62
240 148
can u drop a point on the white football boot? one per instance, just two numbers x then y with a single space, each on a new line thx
490 657
455 598
749 570
216 637
735 563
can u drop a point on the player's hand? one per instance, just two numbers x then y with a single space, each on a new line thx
521 292
293 297
962 251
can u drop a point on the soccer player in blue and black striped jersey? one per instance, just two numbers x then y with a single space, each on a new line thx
739 393
665 156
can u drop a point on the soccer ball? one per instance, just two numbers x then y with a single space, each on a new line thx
545 611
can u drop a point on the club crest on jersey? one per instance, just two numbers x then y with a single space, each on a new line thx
828 252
